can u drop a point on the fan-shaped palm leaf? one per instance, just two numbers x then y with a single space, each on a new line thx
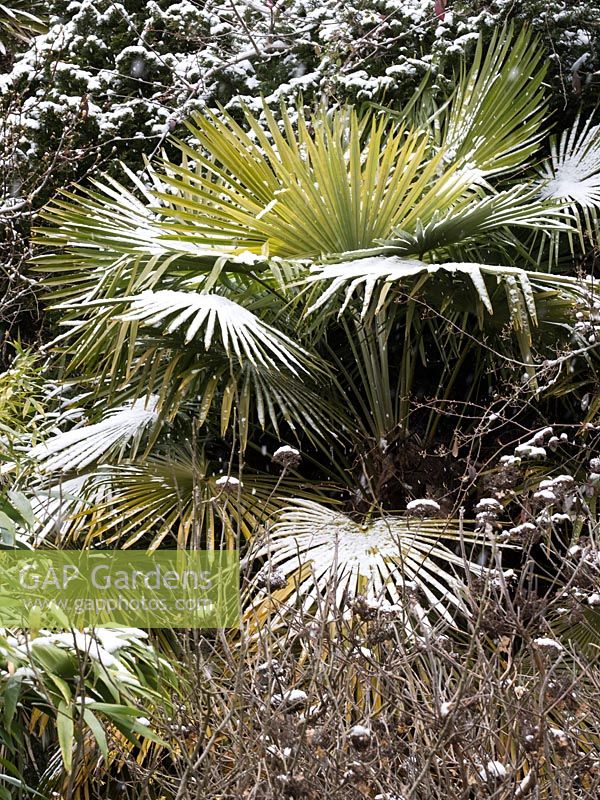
379 275
249 337
376 558
339 184
60 508
574 169
111 241
573 174
120 429
494 120
169 498
471 220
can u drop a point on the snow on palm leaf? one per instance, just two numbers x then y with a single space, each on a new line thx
121 428
376 558
379 274
574 167
573 173
249 337
60 509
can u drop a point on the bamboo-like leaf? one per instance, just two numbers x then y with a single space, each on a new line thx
18 22
65 730
94 724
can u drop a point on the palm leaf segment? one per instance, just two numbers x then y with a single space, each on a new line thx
336 185
119 276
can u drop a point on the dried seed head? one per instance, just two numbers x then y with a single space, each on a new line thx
548 646
360 737
290 701
489 505
423 508
287 456
228 484
493 771
271 578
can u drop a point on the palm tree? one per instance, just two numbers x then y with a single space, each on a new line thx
303 277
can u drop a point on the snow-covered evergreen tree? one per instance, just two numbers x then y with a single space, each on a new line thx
109 79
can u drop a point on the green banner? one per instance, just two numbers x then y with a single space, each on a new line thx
82 588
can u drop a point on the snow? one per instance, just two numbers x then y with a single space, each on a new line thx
114 639
291 699
594 599
510 461
423 506
545 643
287 456
490 505
228 482
286 450
359 732
530 451
445 709
493 770
79 641
545 495
574 170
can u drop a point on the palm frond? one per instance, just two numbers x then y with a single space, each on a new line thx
337 184
164 499
494 121
112 242
171 498
379 274
574 168
310 543
472 219
473 286
573 174
59 509
241 330
119 431
18 22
